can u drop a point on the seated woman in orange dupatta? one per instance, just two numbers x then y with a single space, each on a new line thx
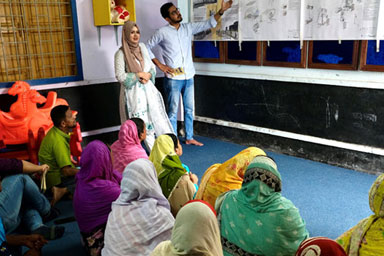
220 178
177 185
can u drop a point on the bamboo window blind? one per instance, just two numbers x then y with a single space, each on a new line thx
36 40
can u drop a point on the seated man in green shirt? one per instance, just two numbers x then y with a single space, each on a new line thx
55 152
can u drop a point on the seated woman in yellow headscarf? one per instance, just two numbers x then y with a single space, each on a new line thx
367 237
220 178
176 183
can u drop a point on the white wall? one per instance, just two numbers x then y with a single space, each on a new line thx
98 60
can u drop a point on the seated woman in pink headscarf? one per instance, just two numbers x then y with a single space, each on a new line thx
128 147
97 186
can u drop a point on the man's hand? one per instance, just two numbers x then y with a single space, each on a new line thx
33 252
165 69
226 5
32 168
69 171
34 241
162 67
44 168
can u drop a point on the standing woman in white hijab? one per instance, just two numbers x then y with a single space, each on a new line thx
138 96
140 218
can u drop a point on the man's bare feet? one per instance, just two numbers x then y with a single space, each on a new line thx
193 142
58 193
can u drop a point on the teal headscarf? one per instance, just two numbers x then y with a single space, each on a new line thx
257 218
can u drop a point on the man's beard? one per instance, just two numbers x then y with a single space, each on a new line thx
178 21
73 126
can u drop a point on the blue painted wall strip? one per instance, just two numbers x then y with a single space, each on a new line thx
77 41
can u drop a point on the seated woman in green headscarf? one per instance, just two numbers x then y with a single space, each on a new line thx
257 219
176 183
367 237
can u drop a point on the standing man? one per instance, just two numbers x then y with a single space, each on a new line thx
175 40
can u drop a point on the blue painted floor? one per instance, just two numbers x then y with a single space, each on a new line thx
330 199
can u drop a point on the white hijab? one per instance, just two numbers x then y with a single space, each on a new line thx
140 217
196 232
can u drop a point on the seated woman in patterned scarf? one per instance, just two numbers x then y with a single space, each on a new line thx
257 219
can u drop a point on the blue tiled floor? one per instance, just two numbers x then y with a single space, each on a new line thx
330 199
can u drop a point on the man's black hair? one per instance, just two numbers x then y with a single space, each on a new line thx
58 114
164 9
174 139
139 124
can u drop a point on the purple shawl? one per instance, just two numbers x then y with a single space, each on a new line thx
128 147
97 186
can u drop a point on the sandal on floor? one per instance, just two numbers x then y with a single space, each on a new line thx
50 233
53 214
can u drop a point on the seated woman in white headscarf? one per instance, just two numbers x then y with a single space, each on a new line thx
196 232
140 217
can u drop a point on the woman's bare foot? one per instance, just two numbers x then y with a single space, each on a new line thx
193 142
58 193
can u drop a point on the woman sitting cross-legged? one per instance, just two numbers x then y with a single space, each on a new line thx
195 232
320 246
97 186
128 147
220 178
257 219
140 217
176 183
367 237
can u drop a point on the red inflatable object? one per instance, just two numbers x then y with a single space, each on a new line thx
75 144
24 114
